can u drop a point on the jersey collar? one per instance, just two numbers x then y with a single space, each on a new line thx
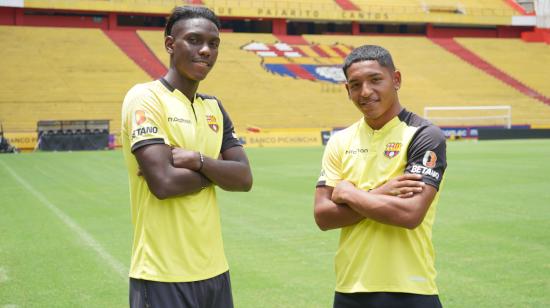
176 92
387 127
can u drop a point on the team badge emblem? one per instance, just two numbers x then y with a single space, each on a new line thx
212 123
429 159
302 59
392 149
140 117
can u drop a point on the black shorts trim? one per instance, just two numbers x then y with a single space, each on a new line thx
214 292
385 300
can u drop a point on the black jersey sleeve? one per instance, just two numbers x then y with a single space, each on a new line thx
427 155
229 138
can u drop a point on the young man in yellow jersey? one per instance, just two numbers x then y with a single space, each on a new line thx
181 144
367 189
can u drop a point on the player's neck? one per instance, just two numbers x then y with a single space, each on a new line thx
379 122
185 85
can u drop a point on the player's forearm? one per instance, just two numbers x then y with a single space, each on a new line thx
329 215
175 182
228 174
385 209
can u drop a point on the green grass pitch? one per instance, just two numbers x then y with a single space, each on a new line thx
65 231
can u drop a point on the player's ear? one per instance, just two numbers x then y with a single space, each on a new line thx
347 90
169 44
396 80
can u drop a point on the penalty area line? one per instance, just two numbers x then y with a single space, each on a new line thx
86 238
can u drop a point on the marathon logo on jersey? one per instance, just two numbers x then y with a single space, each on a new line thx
392 149
140 117
429 160
212 123
357 151
179 120
419 169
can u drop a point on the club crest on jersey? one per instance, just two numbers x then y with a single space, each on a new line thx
392 149
429 159
140 117
212 123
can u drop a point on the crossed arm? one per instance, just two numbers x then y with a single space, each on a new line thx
402 202
174 171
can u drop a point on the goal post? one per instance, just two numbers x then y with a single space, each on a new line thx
470 115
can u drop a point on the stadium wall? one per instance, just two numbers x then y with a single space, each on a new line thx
51 17
46 18
7 16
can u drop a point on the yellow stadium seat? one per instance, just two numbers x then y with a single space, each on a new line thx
434 77
70 74
61 74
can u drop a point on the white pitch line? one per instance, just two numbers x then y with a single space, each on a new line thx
3 275
118 267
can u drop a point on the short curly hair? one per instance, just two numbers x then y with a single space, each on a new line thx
369 53
190 12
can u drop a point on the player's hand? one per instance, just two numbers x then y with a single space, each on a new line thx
186 159
403 186
339 192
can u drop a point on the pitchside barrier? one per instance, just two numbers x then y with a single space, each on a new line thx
500 134
301 137
25 141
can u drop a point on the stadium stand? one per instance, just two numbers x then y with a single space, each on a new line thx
86 76
261 99
73 74
323 5
79 74
435 77
528 62
316 9
481 12
425 83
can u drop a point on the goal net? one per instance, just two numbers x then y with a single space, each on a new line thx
470 116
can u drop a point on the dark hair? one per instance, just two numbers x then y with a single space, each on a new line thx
369 53
190 12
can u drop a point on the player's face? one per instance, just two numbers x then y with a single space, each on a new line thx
373 90
193 46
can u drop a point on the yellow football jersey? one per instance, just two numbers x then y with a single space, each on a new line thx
177 239
376 257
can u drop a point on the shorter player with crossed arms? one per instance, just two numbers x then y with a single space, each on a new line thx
380 184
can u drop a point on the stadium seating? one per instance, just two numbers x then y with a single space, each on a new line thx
257 98
447 11
70 74
527 62
61 74
425 83
480 12
252 8
434 77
